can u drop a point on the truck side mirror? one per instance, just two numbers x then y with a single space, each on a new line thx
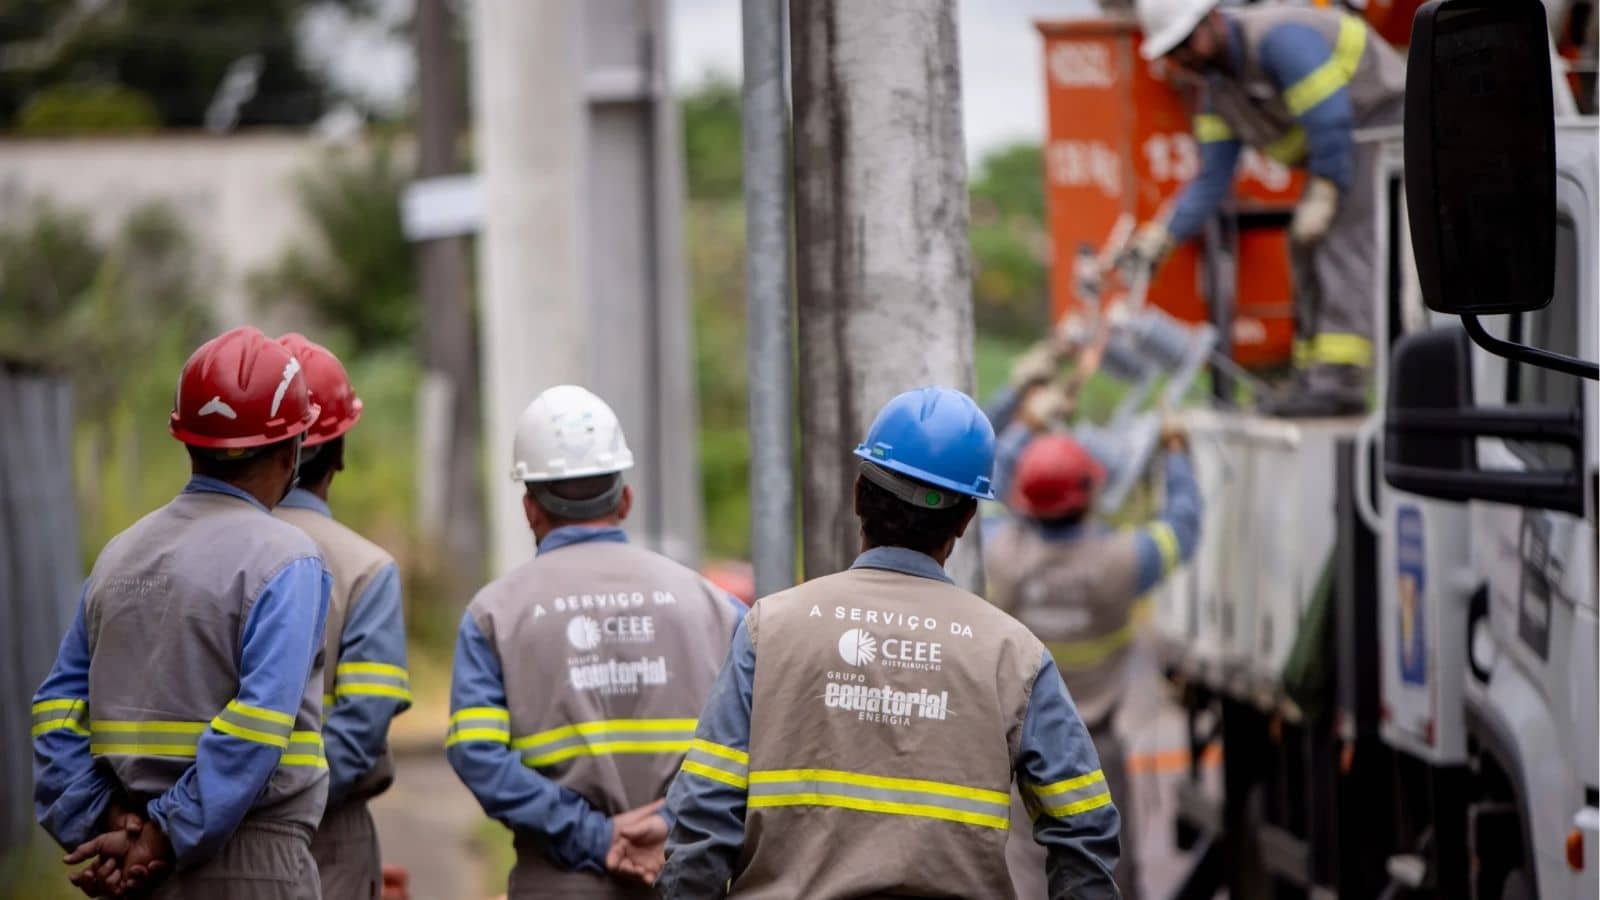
1480 156
1480 151
1431 428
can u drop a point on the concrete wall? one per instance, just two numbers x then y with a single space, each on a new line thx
235 194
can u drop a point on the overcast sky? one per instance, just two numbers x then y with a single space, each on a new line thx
1001 74
1002 77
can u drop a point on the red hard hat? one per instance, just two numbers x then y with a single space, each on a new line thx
241 390
330 388
1055 477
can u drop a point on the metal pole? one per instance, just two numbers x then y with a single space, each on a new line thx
767 288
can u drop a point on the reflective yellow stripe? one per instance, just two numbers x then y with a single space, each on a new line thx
373 690
250 734
1210 128
492 735
371 668
327 700
51 705
1289 149
57 725
738 756
102 725
1166 542
605 727
879 781
482 712
1070 797
878 794
305 749
1301 354
1340 349
299 759
1086 654
1328 78
604 748
265 715
108 749
705 771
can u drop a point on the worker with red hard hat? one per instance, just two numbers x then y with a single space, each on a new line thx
365 683
177 736
1074 583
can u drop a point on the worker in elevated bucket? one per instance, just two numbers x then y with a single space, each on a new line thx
365 683
1294 82
578 675
1075 583
177 734
864 734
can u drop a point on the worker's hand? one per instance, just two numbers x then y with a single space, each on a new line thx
1145 253
1044 407
149 860
1174 437
638 843
1314 214
1039 364
105 853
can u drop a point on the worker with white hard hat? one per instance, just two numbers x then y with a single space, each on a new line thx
864 736
1294 82
365 683
176 738
578 675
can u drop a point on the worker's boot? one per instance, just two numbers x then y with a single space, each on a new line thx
1319 391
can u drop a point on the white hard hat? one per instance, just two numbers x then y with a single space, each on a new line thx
1168 23
568 432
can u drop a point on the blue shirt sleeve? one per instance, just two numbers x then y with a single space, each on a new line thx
282 636
1169 540
1002 407
1058 772
573 833
1300 62
706 802
371 685
1201 197
70 792
1007 450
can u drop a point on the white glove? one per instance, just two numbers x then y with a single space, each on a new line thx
1045 406
1038 365
1150 245
1314 214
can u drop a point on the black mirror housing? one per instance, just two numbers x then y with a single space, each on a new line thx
1480 156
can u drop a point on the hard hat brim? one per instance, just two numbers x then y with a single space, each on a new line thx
865 452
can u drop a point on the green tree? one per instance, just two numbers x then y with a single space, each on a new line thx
1010 242
712 140
355 272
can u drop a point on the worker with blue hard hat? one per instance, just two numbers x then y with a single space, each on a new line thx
864 734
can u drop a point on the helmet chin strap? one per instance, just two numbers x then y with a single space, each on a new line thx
913 492
596 507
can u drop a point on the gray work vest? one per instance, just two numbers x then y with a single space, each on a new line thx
608 652
166 607
1077 597
353 561
1262 115
885 724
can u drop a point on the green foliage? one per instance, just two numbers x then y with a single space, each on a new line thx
712 141
174 52
355 272
1010 242
1010 184
87 109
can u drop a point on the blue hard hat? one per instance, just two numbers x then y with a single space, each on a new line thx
935 435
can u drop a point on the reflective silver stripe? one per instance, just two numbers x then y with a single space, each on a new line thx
71 714
305 749
718 763
1070 797
262 726
810 786
604 738
372 679
880 794
108 738
479 723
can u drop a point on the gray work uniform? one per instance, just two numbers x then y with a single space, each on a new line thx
1078 598
1333 278
346 843
606 654
166 608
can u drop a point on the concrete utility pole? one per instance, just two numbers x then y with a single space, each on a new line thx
582 266
451 416
884 268
767 290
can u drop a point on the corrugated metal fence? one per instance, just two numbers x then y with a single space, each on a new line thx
40 567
